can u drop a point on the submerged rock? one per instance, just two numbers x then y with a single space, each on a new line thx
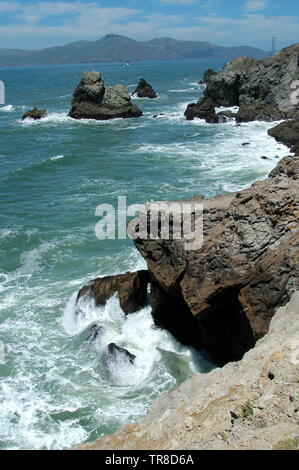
203 109
116 352
263 89
130 287
144 90
92 100
35 114
222 296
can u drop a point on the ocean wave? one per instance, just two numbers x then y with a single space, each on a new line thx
57 157
7 109
184 90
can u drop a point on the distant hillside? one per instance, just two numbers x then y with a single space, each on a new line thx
115 48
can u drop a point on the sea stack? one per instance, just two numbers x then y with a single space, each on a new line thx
92 100
144 90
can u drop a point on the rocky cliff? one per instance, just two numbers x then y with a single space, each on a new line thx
266 90
251 404
221 296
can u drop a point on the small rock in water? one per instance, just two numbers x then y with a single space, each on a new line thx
264 157
94 331
35 114
245 144
144 90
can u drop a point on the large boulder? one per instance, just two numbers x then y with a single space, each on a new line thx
92 100
144 90
203 109
265 89
287 133
35 114
222 296
130 287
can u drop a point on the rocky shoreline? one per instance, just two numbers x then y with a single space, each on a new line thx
222 297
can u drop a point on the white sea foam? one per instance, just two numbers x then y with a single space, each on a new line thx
184 90
57 157
233 109
225 155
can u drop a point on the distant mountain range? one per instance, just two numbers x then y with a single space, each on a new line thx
115 48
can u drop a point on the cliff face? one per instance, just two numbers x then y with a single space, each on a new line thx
251 404
221 297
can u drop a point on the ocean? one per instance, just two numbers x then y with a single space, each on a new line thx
56 389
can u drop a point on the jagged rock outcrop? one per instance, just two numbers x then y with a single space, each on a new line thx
203 109
222 296
130 287
287 133
144 90
265 89
252 404
92 100
35 114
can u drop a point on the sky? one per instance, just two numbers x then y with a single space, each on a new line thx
37 24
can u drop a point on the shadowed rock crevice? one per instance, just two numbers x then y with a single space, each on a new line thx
173 314
224 327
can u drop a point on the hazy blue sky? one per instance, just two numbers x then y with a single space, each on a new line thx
38 24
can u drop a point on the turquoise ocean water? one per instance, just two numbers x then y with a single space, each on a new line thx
55 388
